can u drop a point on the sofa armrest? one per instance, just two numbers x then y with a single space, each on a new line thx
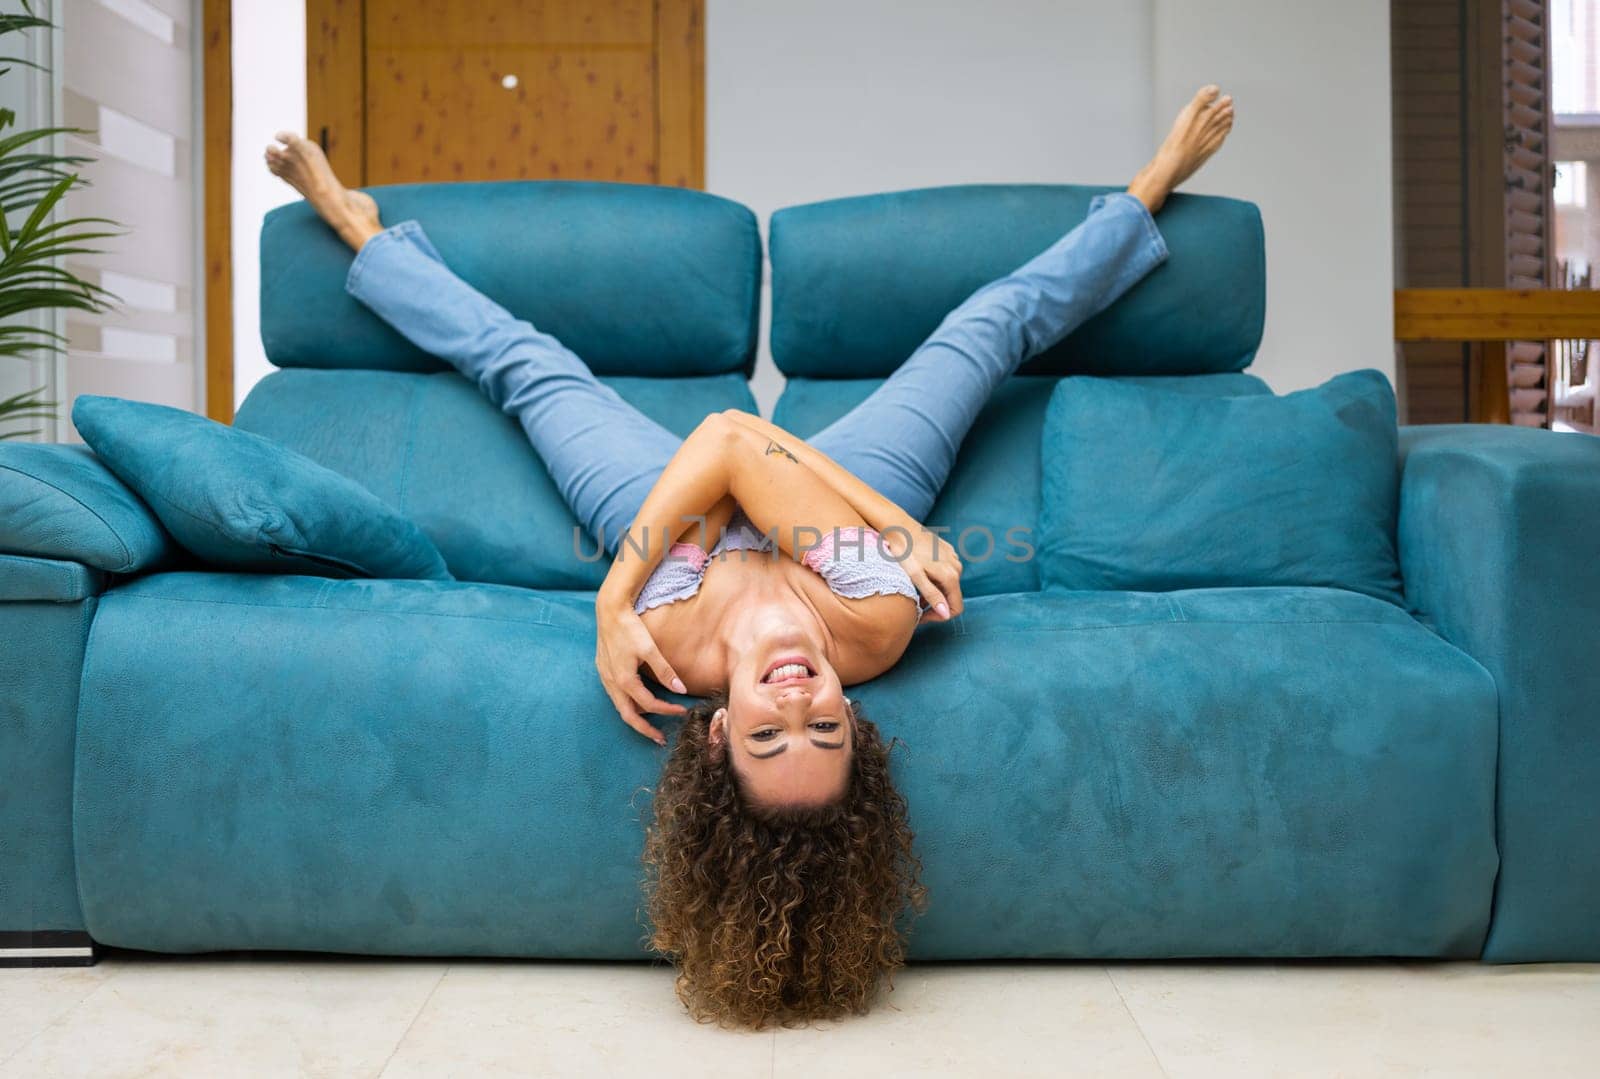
1499 540
45 580
46 607
60 503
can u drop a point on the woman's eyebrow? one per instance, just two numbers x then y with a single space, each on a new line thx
784 746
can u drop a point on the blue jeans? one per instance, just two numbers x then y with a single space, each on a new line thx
604 455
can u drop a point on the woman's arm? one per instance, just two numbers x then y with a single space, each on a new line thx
720 459
876 510
906 537
723 458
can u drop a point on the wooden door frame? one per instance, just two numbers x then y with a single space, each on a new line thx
216 27
336 81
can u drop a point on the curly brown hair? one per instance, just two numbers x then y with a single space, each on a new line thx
778 914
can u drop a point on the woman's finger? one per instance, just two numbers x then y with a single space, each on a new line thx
938 606
640 694
950 582
663 671
630 715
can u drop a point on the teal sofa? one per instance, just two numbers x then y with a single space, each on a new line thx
194 760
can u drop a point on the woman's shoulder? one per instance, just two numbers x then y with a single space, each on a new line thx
870 633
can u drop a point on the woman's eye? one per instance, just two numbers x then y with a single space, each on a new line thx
764 736
827 726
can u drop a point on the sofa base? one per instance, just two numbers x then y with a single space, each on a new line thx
46 948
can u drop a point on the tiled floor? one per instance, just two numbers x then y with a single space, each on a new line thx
302 1015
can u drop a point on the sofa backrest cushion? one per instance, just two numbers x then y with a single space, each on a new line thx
858 283
436 450
1147 490
636 280
994 487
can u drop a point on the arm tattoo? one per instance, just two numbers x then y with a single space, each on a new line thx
773 447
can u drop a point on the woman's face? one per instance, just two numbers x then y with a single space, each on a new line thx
787 727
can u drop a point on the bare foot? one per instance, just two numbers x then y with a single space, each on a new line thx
1196 134
301 163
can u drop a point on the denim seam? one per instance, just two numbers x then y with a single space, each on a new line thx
127 555
359 264
1157 243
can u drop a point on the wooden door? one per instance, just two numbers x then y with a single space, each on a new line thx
402 91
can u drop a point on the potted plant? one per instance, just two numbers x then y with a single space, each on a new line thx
33 180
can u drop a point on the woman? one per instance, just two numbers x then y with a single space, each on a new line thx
766 573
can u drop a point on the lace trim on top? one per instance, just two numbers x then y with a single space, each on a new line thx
852 561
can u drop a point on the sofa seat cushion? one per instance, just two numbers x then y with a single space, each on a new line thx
1217 772
435 449
421 767
993 492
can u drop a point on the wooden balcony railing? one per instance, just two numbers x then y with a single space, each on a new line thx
1495 314
1492 314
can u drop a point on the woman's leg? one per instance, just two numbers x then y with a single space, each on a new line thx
903 439
603 454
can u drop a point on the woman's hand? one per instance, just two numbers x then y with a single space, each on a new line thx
933 566
622 646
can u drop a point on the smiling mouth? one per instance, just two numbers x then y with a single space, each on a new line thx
788 669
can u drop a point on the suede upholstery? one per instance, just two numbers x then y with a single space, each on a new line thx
444 775
1500 550
239 501
246 760
995 486
1144 489
434 449
858 283
40 665
23 578
61 502
637 280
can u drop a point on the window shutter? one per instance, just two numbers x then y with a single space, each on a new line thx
1529 216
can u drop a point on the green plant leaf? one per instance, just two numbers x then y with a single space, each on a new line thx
34 180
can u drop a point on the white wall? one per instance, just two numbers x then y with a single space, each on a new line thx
838 97
845 97
269 95
1311 146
